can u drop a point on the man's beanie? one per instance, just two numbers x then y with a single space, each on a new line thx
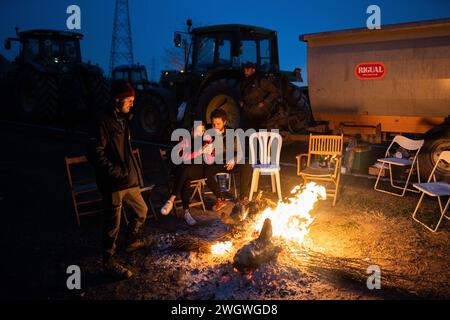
121 89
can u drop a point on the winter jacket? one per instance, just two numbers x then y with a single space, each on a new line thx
110 152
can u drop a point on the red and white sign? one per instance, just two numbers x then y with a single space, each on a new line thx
370 70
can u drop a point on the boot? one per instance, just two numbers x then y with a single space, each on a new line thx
116 270
135 241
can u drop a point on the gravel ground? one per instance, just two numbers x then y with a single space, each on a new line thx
40 239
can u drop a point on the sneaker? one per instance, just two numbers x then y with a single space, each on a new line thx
116 270
189 219
219 205
168 206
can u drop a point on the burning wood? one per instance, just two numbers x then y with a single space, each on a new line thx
190 243
258 251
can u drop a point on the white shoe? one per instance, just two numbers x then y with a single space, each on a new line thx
168 206
189 219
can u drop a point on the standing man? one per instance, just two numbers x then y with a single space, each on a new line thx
257 98
118 177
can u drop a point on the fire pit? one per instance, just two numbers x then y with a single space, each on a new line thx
283 225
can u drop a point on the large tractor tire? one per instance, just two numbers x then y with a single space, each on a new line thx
73 100
430 153
98 93
299 109
36 96
151 121
224 94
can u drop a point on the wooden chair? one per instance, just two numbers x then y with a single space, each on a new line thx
435 189
196 185
330 147
389 160
86 198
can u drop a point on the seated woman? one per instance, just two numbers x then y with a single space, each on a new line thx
188 172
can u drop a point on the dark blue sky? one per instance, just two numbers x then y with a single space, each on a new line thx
153 22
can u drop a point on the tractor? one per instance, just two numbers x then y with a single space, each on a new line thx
48 82
213 59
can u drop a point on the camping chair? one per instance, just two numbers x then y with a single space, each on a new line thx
269 159
435 189
328 146
196 185
409 145
86 198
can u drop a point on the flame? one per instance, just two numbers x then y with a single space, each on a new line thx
291 220
221 248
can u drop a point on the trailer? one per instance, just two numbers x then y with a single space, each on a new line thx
373 84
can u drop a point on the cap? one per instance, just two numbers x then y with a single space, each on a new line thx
121 89
250 64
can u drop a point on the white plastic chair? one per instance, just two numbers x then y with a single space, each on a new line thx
269 159
389 160
434 189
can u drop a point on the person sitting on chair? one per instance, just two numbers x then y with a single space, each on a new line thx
188 172
219 123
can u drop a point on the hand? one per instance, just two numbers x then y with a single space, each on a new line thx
241 104
261 104
230 165
120 173
207 148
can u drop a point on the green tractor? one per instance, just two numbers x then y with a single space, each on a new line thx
213 57
48 82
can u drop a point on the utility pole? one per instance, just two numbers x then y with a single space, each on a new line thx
121 44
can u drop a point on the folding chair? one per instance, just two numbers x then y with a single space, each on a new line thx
197 185
389 160
86 198
323 146
269 159
435 189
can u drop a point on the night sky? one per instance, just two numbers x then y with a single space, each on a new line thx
153 22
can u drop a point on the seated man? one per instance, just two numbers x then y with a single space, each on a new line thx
221 165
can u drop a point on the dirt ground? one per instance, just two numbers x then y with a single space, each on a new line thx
40 239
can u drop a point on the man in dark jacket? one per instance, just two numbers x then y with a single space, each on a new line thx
257 98
224 165
118 176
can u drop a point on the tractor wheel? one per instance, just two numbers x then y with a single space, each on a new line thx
37 96
98 93
73 100
430 153
224 94
299 110
152 118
